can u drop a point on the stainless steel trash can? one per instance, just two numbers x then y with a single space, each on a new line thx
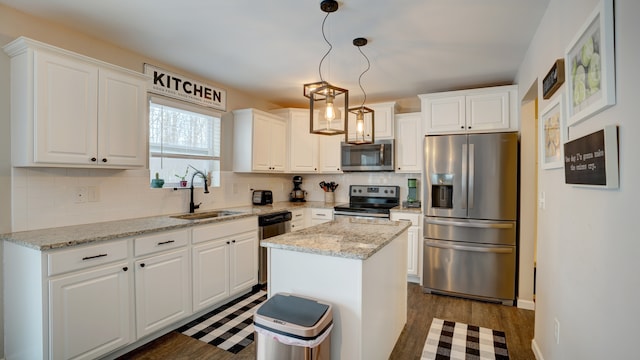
293 327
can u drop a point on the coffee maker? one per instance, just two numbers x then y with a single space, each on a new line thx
297 194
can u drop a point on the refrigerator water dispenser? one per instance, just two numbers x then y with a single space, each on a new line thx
442 191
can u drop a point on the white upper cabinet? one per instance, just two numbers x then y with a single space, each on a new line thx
384 114
409 139
68 110
303 146
491 109
259 141
330 153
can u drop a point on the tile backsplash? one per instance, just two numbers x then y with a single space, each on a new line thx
53 197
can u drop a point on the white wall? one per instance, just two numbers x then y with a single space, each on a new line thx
588 244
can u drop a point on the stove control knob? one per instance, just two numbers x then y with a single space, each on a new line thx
386 191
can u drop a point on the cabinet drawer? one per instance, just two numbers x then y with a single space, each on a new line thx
86 256
326 214
225 228
160 242
413 217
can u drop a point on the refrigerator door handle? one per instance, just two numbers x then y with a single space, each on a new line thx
463 195
471 174
470 224
495 250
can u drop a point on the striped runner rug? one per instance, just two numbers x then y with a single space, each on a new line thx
229 327
448 340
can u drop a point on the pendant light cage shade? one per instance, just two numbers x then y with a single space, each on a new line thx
328 108
364 126
364 117
328 104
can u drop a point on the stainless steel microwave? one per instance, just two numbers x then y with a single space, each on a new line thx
368 157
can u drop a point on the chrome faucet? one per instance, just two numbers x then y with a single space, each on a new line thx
192 206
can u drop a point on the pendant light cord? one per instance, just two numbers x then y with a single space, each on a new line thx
328 51
360 78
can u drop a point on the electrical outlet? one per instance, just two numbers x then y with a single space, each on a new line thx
80 194
542 201
556 330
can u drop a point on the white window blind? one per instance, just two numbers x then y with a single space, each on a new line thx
183 137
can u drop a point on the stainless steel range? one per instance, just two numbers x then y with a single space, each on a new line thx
369 201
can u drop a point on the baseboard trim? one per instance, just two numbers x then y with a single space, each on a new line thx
536 350
526 304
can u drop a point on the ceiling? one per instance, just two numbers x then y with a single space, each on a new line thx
271 48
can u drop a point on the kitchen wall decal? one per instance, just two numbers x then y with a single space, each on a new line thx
590 66
592 160
553 133
553 80
176 86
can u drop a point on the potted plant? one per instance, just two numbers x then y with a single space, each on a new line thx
157 182
183 179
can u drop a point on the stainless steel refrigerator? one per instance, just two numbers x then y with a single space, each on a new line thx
471 213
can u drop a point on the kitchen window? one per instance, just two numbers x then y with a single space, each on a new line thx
181 138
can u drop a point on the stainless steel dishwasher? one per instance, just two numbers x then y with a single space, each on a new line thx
271 225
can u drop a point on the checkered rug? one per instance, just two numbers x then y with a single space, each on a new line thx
229 327
450 340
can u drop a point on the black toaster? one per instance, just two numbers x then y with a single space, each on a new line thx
262 197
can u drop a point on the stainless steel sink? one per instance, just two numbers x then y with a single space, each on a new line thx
206 215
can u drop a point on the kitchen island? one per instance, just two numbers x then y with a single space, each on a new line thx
357 265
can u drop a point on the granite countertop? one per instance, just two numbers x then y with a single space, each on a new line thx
404 209
349 237
59 237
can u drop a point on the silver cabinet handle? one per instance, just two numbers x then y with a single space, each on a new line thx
495 250
469 224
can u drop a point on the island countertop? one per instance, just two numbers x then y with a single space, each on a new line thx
352 238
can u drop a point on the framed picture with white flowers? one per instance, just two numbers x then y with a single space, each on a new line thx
590 66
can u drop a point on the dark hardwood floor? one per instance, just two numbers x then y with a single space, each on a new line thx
422 308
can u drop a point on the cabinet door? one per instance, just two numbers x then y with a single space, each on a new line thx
66 110
409 149
444 115
412 250
261 156
384 116
303 146
278 145
330 155
244 261
90 312
122 124
487 112
210 273
163 294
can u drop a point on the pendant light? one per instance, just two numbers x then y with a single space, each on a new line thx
364 115
330 102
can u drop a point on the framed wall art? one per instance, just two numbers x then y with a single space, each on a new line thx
590 66
553 133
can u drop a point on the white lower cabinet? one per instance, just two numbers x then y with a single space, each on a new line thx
210 258
225 260
319 216
414 243
90 312
87 301
163 293
244 262
298 219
